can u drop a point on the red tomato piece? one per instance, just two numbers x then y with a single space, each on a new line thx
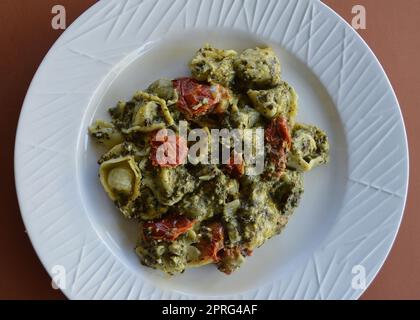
168 228
210 247
235 170
197 99
167 151
278 141
277 132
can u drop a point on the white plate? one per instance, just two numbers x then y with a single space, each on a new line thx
349 214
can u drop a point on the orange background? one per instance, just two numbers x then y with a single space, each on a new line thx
26 35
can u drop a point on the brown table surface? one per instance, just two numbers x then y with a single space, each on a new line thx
25 28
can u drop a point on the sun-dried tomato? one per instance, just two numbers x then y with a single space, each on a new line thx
197 99
278 142
168 228
235 170
210 246
167 151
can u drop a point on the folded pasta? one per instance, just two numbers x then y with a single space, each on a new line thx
194 209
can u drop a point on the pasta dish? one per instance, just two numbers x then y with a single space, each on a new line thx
210 166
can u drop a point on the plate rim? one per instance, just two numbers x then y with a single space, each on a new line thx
407 147
95 7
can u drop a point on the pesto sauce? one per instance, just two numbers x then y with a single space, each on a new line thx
229 215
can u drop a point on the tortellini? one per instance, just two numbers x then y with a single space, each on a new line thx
310 148
105 133
170 257
200 206
259 218
231 259
214 65
164 89
287 193
258 68
244 118
267 207
148 207
122 114
231 221
279 101
120 178
169 185
123 150
150 114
